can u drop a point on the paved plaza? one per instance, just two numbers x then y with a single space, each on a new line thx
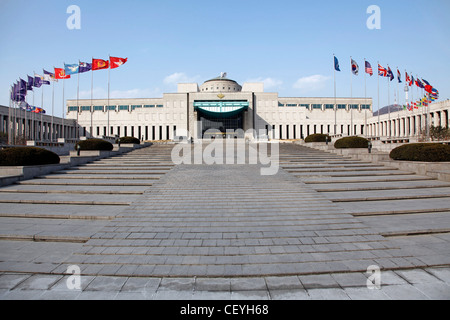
140 227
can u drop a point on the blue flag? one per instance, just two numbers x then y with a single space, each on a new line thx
85 67
71 68
336 64
30 83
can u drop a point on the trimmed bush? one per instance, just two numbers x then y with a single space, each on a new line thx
95 144
426 152
129 140
352 142
27 156
318 137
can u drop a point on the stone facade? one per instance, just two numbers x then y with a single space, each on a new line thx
267 113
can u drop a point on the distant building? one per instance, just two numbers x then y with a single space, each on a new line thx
221 104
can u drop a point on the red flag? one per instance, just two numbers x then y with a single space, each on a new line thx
61 74
99 64
117 62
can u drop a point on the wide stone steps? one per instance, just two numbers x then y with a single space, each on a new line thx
398 205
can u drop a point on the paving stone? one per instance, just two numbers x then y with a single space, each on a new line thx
403 292
137 284
38 282
283 283
434 291
106 284
178 284
365 294
318 281
418 276
291 294
328 294
10 281
248 284
350 279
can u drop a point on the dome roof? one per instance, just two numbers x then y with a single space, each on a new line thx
220 84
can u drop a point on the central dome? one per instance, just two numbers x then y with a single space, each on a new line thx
220 84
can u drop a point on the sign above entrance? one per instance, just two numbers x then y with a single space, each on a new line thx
221 109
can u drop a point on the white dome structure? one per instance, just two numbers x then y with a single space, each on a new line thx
220 84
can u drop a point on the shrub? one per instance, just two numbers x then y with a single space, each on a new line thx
95 144
131 140
427 152
27 156
318 137
351 142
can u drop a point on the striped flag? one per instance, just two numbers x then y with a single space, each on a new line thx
369 69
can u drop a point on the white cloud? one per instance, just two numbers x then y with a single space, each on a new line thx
269 83
179 77
311 83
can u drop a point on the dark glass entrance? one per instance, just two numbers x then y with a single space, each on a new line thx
219 126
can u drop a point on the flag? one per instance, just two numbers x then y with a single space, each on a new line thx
117 62
49 76
336 64
428 87
412 81
382 71
30 83
85 67
390 74
407 78
369 69
70 69
419 84
61 74
37 81
99 64
355 67
399 76
18 93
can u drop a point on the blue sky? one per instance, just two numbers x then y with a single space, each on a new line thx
287 44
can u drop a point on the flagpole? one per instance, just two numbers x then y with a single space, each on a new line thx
389 105
53 111
365 99
335 100
351 97
92 107
9 115
63 109
42 123
379 133
25 131
78 97
33 135
108 130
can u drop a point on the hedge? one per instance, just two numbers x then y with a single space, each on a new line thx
318 137
130 140
94 144
426 152
27 156
352 142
